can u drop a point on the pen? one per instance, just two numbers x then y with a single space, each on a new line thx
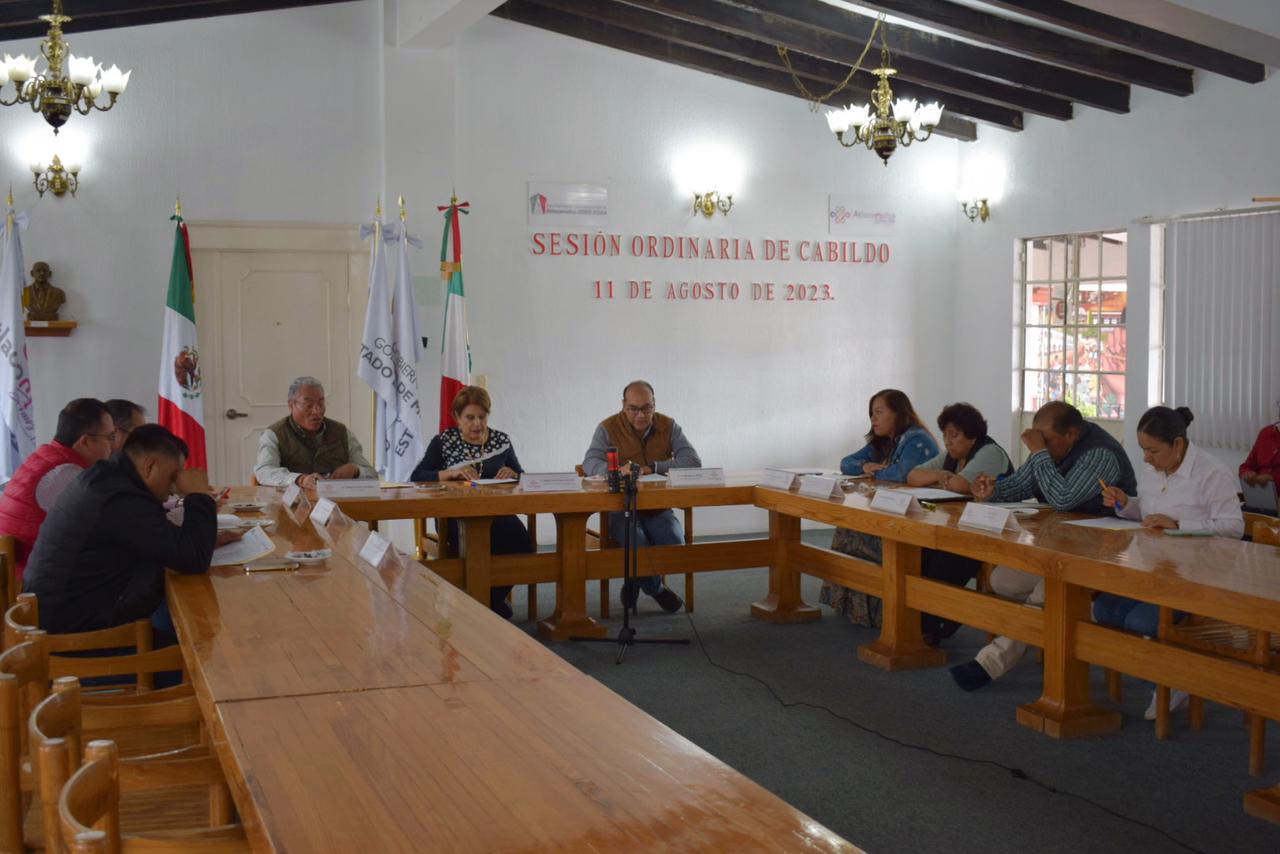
928 505
1102 483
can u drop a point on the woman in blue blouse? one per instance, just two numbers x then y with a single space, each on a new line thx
472 451
897 442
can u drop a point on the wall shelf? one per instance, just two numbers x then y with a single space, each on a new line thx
49 328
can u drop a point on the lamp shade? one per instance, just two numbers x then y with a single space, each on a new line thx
21 69
837 121
904 109
114 80
859 115
929 115
81 70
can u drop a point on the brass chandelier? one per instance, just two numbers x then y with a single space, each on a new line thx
892 123
54 94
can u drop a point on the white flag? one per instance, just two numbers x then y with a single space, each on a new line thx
19 426
389 356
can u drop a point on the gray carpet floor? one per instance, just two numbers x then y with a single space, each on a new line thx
857 779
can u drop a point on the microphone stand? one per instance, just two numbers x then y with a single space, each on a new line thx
630 567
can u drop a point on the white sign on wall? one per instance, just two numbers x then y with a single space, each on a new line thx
556 202
851 214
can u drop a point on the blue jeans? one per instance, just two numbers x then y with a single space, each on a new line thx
1120 612
654 529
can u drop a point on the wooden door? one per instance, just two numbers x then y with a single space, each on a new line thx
275 303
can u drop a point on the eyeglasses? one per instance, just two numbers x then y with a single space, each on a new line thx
640 410
107 436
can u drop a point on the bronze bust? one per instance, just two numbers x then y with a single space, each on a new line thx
40 298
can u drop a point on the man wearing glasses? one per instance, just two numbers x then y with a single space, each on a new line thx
83 437
304 446
127 416
655 443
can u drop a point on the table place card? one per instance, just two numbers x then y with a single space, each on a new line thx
988 518
374 548
353 488
291 496
777 478
817 486
895 501
695 477
322 512
557 481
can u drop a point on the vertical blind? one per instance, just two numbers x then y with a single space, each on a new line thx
1222 327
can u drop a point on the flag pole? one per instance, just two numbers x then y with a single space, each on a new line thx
373 421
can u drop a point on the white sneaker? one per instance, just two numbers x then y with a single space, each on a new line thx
1177 702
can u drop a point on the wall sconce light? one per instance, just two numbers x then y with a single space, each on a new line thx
708 203
57 179
976 209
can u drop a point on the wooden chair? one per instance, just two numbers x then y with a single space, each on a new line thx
58 727
9 586
1265 530
24 681
143 663
604 541
89 817
435 544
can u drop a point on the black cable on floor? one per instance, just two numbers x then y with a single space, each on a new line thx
1016 773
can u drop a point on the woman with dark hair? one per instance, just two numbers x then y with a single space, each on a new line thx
897 442
969 452
472 451
1179 489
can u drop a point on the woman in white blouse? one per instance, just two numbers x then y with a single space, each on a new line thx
1180 488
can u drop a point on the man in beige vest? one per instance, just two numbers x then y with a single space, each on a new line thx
304 446
655 443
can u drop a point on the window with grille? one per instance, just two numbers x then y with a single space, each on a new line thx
1074 294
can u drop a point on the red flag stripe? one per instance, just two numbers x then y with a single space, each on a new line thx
185 428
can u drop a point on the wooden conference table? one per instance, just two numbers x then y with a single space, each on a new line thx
356 708
1234 581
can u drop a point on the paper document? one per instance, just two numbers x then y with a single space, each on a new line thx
387 485
1019 505
652 478
253 545
1107 523
929 493
489 481
229 521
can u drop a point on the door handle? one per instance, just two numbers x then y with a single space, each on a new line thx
232 414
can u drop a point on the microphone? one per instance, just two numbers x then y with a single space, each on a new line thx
614 474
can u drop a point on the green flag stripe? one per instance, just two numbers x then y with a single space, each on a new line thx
181 298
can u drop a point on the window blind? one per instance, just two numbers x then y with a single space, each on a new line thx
1222 327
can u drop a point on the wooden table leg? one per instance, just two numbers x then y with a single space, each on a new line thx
1264 804
783 604
570 617
1065 708
900 646
475 557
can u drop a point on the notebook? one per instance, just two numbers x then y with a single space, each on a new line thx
1260 499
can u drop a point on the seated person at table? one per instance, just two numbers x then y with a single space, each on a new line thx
1263 463
1070 460
472 451
655 443
1179 488
125 417
897 442
102 553
83 437
304 446
969 452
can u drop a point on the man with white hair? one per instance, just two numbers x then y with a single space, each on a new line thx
304 446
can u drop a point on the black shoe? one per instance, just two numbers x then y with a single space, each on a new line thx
630 594
947 628
498 603
970 676
667 598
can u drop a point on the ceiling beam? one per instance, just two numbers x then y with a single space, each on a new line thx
1132 35
1178 20
828 74
525 12
837 34
1086 56
18 19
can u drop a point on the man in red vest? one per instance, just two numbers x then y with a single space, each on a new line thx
84 436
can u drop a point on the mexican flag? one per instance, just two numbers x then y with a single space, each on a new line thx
455 354
181 407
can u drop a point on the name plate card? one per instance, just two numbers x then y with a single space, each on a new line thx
292 496
566 481
778 479
375 549
988 518
893 501
323 512
817 486
355 488
695 477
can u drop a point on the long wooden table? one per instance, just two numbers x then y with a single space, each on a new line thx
1229 580
356 708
